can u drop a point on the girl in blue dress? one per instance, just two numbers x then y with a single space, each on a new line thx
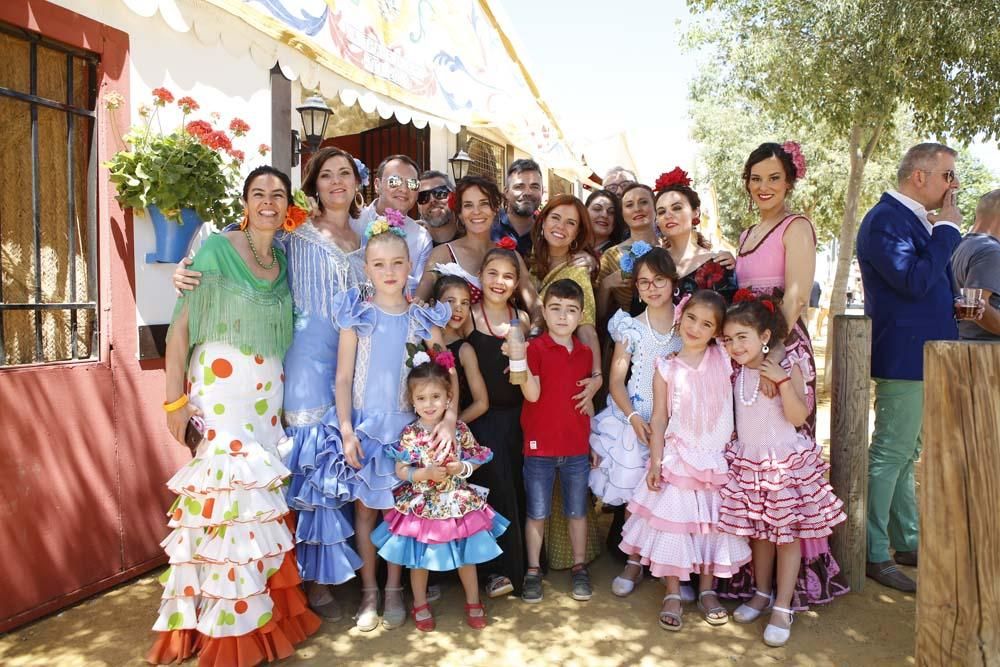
371 370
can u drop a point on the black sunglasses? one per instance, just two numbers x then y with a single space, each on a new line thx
440 192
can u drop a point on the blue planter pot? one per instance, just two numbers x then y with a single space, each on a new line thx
172 238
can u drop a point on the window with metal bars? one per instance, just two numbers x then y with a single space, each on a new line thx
488 159
48 200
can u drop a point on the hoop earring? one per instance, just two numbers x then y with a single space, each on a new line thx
765 349
359 200
244 221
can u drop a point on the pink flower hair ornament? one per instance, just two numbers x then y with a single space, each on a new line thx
794 151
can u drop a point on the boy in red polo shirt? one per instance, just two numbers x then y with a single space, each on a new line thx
556 434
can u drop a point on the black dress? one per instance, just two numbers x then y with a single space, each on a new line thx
500 430
464 395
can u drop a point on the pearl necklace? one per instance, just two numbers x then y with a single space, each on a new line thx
274 258
657 336
756 389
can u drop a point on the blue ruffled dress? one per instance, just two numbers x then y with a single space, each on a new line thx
444 525
379 409
318 271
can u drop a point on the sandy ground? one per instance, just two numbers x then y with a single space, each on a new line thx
871 627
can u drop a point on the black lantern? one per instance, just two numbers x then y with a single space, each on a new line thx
460 163
315 115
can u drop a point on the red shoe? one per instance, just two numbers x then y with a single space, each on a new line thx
475 622
427 624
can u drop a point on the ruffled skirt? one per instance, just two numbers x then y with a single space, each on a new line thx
623 458
675 531
439 544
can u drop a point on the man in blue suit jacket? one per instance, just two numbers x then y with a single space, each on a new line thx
904 251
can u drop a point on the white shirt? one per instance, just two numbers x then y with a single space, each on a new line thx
919 211
418 240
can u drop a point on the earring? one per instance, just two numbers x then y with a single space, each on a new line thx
765 349
359 200
244 221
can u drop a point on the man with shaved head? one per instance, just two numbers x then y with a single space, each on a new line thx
976 263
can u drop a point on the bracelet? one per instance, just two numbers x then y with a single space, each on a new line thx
466 470
630 415
517 365
595 374
783 381
174 406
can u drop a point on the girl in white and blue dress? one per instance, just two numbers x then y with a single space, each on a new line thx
371 370
620 433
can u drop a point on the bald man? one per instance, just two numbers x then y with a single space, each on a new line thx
976 263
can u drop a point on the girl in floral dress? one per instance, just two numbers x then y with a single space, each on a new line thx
439 522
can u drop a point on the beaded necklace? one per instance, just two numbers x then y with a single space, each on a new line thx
256 257
756 389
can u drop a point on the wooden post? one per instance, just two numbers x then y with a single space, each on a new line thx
849 403
958 594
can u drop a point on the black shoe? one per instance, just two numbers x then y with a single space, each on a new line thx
908 558
887 574
581 584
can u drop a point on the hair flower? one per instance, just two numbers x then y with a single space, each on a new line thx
675 176
293 218
794 151
421 358
391 222
362 171
743 294
507 243
452 202
394 217
629 257
445 359
767 303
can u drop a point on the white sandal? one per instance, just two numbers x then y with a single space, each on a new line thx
775 636
708 611
747 614
623 586
664 615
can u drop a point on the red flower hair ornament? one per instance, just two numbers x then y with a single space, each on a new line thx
743 294
452 202
507 243
294 217
675 176
794 151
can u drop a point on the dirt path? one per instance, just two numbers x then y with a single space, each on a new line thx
873 627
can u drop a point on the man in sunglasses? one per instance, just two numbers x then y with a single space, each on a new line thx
904 251
396 186
432 202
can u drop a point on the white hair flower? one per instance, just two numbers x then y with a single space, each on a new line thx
421 358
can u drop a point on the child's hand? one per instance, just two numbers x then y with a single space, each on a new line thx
642 429
436 473
653 475
353 453
453 467
595 459
772 371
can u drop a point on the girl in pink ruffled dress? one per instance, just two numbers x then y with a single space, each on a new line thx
673 527
776 494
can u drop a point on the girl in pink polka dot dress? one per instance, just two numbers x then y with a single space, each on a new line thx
673 527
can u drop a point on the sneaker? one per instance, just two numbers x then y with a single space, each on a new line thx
581 584
433 593
531 589
888 574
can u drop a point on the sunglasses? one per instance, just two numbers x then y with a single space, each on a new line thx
439 193
393 182
949 175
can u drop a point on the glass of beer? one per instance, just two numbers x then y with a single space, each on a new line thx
969 303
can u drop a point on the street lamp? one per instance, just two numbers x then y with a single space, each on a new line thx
460 163
315 115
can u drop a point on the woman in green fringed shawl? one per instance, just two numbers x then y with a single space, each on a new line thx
232 589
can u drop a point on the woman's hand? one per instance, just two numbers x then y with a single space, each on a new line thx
177 421
724 259
653 475
642 429
444 436
586 397
184 278
454 468
613 280
353 453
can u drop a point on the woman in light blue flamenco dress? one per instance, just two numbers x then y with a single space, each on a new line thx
372 408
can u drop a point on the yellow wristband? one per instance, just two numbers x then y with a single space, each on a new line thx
174 406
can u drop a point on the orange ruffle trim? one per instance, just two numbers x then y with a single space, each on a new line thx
291 623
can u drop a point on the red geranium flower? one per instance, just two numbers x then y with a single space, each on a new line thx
263 149
239 156
675 176
293 218
444 359
198 128
507 243
187 104
238 127
217 140
743 294
709 275
163 96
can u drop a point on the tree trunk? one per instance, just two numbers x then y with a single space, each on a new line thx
859 151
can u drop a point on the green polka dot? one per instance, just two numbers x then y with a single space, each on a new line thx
218 474
201 358
264 619
246 349
197 542
209 376
195 507
219 408
215 577
261 406
201 392
267 387
175 620
166 575
242 581
249 427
